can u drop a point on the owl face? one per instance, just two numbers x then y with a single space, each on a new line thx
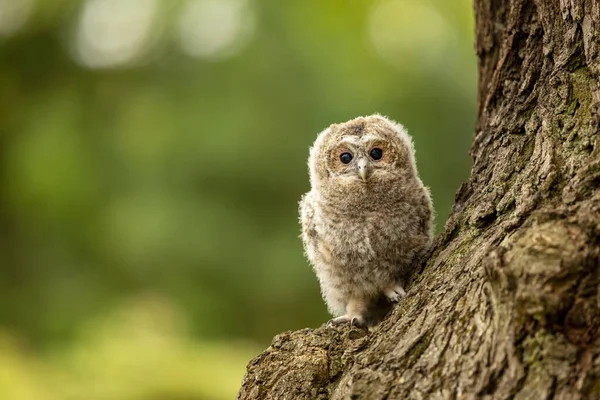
361 159
362 153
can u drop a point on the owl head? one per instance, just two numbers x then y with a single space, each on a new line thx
364 155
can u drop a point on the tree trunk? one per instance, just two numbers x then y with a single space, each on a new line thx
508 303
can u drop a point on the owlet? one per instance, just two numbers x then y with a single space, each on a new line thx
367 220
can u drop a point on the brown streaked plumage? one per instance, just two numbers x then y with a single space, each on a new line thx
367 219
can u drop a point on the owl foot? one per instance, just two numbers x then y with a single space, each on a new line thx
339 320
356 321
395 293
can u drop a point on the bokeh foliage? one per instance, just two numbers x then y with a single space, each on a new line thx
169 178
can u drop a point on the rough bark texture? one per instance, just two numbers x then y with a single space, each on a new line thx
508 303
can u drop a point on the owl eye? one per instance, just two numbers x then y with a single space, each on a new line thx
345 158
376 153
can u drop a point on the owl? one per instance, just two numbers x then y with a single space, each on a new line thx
367 219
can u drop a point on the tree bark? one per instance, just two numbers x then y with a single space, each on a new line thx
507 304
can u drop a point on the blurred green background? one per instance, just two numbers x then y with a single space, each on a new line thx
152 154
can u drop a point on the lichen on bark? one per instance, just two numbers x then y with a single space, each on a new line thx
507 305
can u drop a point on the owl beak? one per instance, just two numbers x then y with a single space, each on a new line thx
363 169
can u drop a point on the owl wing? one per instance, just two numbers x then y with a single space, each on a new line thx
318 249
307 220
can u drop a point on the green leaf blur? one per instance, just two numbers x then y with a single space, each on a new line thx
152 154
